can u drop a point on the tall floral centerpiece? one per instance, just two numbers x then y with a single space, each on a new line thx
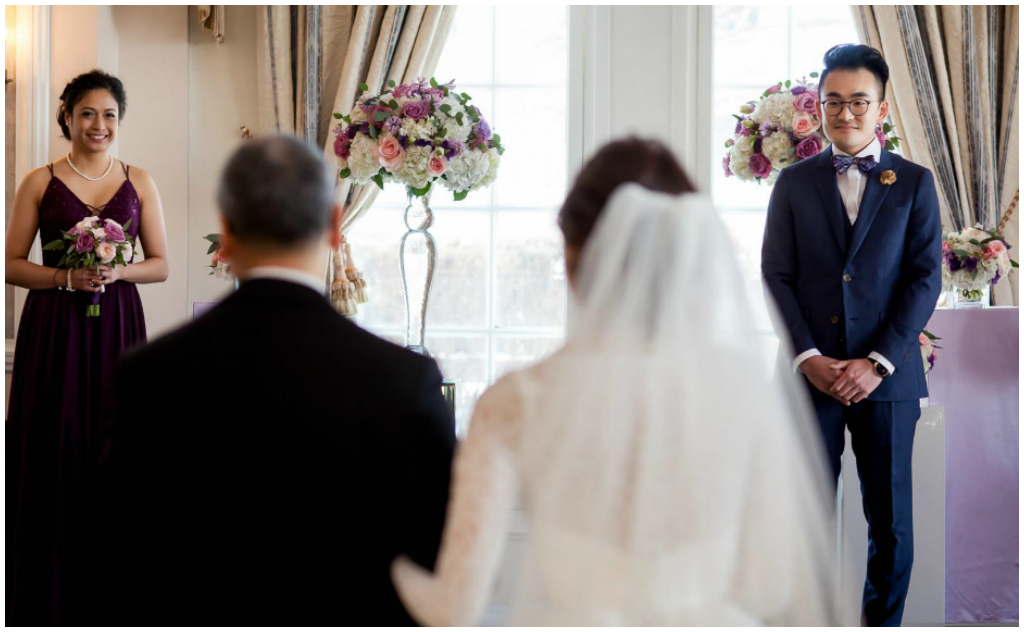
779 129
420 134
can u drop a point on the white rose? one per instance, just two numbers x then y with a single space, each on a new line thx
100 233
362 159
126 252
106 252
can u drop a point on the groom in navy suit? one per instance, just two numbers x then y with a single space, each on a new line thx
851 254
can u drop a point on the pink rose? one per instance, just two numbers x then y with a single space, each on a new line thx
805 102
804 124
106 252
773 89
390 153
923 339
993 249
437 166
84 242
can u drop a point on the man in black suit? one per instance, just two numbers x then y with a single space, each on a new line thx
271 459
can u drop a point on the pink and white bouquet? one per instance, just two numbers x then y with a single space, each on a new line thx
779 129
219 266
929 350
417 134
94 242
973 259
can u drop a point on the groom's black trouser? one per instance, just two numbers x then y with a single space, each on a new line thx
882 435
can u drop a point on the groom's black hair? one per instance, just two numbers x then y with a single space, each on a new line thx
855 57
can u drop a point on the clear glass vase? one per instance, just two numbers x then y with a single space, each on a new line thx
417 258
971 299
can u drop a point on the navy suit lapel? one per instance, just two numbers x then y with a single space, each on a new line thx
874 194
828 189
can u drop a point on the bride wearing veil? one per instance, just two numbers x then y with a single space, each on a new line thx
666 478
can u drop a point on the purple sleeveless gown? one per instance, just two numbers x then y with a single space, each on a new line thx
62 396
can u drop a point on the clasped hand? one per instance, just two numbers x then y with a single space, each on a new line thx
848 381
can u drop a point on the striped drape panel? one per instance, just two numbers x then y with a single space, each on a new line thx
954 72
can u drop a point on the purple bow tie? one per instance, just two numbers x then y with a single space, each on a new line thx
842 163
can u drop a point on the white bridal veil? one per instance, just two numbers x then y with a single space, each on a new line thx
669 478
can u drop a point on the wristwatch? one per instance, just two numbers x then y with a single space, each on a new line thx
880 369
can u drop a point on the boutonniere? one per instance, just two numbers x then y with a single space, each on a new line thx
888 177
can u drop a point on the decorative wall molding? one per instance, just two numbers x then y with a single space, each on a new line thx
692 50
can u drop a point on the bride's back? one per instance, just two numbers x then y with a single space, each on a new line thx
665 477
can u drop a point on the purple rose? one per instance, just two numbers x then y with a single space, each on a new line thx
402 91
416 110
810 146
85 242
773 89
798 90
760 165
725 166
114 231
805 102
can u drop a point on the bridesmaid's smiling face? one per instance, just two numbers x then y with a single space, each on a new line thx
94 122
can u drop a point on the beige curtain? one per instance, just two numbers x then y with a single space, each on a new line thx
311 60
953 90
211 18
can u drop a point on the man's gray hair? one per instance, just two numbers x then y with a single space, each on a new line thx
276 190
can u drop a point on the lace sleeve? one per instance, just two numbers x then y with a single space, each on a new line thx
484 488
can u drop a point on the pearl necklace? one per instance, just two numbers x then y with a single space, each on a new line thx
75 169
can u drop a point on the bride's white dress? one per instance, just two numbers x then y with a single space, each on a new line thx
666 479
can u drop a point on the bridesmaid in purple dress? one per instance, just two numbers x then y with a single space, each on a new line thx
62 386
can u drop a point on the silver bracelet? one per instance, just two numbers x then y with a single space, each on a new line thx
70 287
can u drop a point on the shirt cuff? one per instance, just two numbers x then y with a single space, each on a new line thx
874 355
810 353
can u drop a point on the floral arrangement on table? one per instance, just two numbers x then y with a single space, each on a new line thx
219 266
779 129
973 259
92 243
417 134
929 350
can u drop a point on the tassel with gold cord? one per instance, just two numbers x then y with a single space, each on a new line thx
353 274
342 290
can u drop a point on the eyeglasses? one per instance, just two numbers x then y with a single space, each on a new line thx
858 107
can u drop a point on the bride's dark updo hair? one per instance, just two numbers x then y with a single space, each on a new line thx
83 84
648 163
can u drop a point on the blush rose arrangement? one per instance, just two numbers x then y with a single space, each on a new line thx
94 242
929 350
417 134
779 129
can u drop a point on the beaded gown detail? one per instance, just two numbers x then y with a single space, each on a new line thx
61 398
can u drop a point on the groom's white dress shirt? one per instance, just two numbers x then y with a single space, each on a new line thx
851 191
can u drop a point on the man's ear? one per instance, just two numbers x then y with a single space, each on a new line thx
227 239
335 227
883 111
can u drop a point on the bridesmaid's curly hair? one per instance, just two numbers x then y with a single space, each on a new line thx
83 84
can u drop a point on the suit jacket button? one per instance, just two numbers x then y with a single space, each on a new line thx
847 278
835 320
